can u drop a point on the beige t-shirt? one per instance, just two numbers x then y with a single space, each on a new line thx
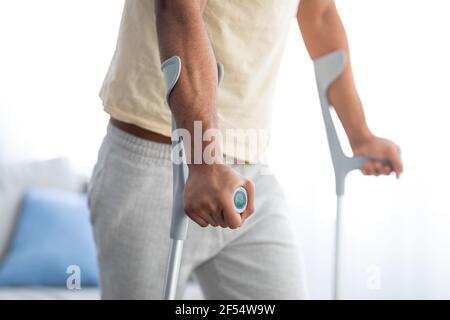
248 38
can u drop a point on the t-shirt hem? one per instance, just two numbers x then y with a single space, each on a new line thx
165 130
148 124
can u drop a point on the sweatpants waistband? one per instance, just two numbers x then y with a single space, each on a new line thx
135 146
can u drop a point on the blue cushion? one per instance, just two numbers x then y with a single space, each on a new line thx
52 233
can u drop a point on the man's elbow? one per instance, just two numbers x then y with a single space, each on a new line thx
165 8
180 9
315 12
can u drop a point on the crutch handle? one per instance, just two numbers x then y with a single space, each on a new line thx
358 161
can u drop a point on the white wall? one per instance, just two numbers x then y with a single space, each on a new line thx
53 57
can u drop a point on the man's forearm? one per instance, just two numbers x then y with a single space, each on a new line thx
181 32
323 32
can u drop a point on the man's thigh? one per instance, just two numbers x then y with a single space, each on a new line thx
261 260
130 200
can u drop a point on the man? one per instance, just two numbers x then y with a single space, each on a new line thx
130 194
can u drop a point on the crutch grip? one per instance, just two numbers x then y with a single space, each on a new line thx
358 161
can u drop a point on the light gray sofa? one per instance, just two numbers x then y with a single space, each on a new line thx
14 181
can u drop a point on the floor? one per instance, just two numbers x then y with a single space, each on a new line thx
192 292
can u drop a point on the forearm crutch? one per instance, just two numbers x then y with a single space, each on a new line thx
171 69
327 69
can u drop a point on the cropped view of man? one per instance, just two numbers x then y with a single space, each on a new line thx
253 255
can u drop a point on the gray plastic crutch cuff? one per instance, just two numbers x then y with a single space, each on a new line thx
171 69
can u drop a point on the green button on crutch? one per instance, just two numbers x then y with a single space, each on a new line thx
240 199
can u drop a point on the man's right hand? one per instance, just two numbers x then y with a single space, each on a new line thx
208 196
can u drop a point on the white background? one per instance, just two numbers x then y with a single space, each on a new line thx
54 55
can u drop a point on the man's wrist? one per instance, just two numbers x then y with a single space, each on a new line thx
205 152
358 136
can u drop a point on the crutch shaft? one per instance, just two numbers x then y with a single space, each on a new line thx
337 262
173 269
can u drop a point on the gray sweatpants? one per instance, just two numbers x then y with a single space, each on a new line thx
130 200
